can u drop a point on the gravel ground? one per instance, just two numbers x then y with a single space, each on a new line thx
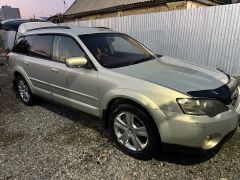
52 141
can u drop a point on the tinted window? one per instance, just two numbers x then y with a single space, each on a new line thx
114 50
30 40
20 47
42 46
121 45
65 47
23 45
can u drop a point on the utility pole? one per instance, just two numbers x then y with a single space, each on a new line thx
64 2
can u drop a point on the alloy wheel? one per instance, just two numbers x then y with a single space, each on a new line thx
131 131
24 91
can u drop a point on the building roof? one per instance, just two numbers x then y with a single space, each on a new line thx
90 6
80 6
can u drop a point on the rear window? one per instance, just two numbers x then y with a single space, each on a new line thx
42 46
24 45
21 46
36 45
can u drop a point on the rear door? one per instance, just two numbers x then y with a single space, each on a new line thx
38 61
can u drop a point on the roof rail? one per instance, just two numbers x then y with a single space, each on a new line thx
50 27
102 27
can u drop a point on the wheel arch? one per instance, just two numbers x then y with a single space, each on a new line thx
123 100
121 96
131 95
18 71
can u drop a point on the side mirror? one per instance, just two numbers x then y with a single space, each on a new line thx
76 62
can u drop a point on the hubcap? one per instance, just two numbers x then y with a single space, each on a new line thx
23 91
131 131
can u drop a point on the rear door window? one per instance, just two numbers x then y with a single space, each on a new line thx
29 42
24 45
42 46
65 47
21 46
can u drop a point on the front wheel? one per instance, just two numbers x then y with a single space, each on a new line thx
134 131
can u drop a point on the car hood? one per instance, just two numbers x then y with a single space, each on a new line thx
176 74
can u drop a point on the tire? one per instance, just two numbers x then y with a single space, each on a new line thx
23 91
134 131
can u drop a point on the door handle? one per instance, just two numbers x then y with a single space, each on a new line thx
26 63
54 70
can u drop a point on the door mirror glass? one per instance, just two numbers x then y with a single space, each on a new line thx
76 62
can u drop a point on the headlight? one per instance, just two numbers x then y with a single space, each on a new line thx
209 107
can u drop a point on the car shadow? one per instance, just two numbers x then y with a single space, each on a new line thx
185 158
76 116
88 121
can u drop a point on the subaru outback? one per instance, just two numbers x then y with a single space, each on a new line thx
143 98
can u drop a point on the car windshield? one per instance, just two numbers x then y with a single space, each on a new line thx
114 50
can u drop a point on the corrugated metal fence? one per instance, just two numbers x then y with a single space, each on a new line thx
208 36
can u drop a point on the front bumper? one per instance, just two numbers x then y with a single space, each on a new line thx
196 131
181 148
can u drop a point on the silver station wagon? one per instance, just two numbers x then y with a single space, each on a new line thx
146 100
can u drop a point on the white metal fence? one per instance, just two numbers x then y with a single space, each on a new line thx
208 36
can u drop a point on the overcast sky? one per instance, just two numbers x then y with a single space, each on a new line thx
39 8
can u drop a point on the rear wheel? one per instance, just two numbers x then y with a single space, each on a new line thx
134 131
24 91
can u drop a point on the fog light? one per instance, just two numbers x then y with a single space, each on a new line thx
206 140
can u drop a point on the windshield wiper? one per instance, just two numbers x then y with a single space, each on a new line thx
142 60
158 55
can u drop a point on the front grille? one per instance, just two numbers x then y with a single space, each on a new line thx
234 97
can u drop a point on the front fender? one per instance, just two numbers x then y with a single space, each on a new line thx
135 96
148 104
